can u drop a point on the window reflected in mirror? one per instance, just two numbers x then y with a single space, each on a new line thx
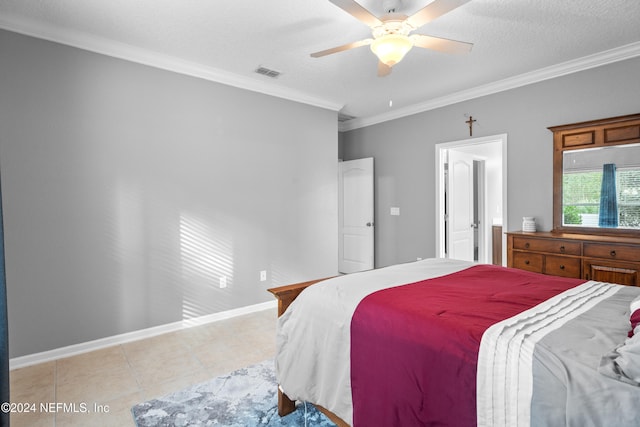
601 187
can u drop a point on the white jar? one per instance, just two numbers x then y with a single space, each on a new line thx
528 224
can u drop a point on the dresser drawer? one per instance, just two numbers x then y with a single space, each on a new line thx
609 251
528 261
546 245
562 266
623 273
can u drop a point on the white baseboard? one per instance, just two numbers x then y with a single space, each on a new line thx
72 350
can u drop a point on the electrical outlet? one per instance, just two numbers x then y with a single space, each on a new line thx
223 282
263 275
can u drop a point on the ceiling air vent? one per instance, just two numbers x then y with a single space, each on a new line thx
268 72
342 117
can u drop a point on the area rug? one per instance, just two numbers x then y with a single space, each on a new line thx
243 398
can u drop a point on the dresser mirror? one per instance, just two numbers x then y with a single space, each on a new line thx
601 187
597 177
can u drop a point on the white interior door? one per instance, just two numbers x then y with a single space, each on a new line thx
356 226
461 220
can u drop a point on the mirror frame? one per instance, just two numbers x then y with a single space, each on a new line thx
612 131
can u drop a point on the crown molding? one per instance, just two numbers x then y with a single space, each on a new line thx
174 64
154 59
621 53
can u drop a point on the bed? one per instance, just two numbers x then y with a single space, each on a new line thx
446 342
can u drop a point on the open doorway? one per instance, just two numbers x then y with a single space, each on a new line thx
471 197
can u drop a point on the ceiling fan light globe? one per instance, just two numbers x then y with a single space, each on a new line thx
391 48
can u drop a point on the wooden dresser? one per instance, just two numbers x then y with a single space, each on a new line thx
604 258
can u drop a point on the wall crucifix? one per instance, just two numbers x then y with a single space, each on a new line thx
470 123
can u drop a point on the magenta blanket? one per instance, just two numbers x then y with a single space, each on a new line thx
414 348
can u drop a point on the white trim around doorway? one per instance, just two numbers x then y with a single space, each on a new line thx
440 187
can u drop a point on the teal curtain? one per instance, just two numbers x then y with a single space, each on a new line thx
608 197
4 334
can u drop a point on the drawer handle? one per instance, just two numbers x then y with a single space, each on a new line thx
561 267
562 248
527 262
526 245
612 253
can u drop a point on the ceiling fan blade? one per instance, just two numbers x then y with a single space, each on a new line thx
432 11
383 69
342 48
357 11
440 44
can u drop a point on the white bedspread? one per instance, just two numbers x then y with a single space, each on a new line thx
314 334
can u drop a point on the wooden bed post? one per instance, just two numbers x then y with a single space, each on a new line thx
286 295
285 405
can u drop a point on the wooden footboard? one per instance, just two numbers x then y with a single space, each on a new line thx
285 296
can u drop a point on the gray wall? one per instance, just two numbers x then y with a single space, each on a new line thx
404 150
129 191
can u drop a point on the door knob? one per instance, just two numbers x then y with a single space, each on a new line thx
369 224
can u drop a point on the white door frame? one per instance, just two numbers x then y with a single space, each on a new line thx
439 171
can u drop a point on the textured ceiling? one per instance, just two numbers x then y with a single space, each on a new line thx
227 41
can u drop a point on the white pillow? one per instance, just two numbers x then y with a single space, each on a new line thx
623 362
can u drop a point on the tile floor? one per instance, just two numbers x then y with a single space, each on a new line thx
116 378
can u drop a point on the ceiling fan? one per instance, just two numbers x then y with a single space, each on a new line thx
391 32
